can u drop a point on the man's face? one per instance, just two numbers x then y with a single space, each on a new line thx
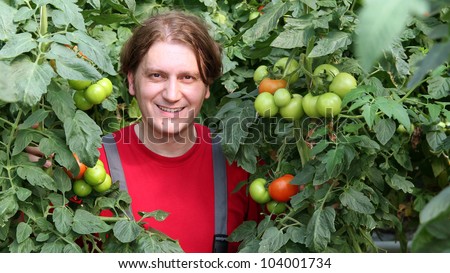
168 88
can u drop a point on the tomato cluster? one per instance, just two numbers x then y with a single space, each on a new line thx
90 178
274 195
334 85
87 94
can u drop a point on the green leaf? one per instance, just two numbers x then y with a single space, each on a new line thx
334 161
63 182
292 38
438 87
57 146
93 49
37 177
332 42
266 22
69 66
70 12
319 228
369 114
18 44
37 116
297 234
61 102
398 182
376 34
126 231
23 193
63 219
272 240
7 26
30 79
23 139
23 232
158 215
85 222
84 137
357 201
244 231
438 206
435 139
384 130
394 109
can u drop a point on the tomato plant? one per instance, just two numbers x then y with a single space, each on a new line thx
294 109
282 97
79 84
288 68
81 166
328 104
81 188
324 74
104 186
95 93
275 207
260 73
95 176
309 105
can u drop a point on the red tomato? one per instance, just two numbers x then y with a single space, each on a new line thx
82 169
281 190
271 85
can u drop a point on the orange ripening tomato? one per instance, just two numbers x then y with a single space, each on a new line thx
82 166
281 190
271 85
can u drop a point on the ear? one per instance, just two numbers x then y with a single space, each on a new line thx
207 94
131 86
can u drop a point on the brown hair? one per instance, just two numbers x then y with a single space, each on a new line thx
179 27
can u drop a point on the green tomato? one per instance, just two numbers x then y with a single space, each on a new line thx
95 93
107 85
324 74
275 207
288 68
253 15
95 175
342 84
294 109
309 105
282 97
80 101
81 188
260 73
105 185
328 104
258 191
79 84
265 105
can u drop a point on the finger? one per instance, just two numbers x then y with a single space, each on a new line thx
34 151
35 158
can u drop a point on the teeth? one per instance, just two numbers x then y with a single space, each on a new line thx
170 110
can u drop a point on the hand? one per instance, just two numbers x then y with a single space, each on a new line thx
34 154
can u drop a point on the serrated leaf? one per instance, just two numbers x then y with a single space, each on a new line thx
18 44
158 215
93 50
23 193
7 26
63 219
369 114
69 66
394 109
435 139
376 34
36 117
62 180
244 231
398 182
266 22
297 234
292 38
30 79
23 232
37 177
319 228
71 12
272 240
23 139
8 93
384 130
357 201
85 222
53 247
84 137
334 161
61 102
126 231
57 146
438 87
333 41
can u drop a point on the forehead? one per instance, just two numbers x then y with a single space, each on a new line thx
170 54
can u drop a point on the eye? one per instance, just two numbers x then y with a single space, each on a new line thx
155 75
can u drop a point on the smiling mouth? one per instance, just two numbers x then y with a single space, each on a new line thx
170 110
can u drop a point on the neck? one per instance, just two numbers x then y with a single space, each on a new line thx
170 145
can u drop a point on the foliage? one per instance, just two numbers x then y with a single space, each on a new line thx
362 173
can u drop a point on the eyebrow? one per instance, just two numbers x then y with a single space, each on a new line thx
150 69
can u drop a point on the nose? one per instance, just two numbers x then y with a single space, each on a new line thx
172 92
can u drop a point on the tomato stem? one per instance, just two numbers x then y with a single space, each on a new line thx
302 147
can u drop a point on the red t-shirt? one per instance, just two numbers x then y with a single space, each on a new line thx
182 186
